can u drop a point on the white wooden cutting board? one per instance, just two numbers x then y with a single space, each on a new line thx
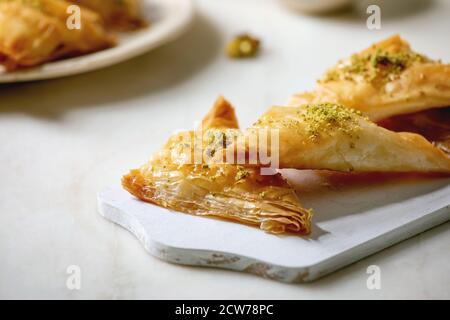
353 219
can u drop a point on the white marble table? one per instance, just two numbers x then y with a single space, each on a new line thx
62 141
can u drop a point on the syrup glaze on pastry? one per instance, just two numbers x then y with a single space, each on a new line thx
34 31
385 80
333 137
232 192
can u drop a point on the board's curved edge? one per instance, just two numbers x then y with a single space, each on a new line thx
111 201
201 258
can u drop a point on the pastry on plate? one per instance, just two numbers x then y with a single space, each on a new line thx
333 137
385 80
34 31
118 14
227 191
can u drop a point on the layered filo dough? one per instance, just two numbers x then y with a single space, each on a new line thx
384 110
331 136
228 191
35 31
394 86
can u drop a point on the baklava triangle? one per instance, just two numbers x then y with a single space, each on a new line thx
36 31
333 137
385 80
237 193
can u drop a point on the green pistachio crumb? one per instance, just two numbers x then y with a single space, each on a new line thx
241 173
330 117
379 65
243 46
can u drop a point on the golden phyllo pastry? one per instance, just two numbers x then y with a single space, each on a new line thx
35 31
227 191
27 37
118 14
387 79
333 137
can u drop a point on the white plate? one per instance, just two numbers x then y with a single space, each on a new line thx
351 222
169 19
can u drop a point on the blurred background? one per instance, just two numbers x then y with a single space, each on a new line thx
64 140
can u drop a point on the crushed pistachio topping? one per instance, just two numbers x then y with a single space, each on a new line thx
217 140
330 117
210 172
243 46
241 173
376 65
